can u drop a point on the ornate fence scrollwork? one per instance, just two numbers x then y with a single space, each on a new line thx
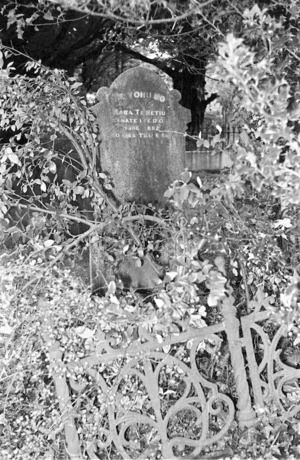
271 378
156 400
184 413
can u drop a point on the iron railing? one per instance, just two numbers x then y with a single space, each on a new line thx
174 389
202 158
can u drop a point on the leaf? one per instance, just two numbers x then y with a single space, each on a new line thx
199 181
79 190
214 141
244 137
171 275
194 221
193 188
159 303
251 157
48 243
67 183
125 248
6 329
262 299
212 300
138 262
49 455
201 277
52 167
84 332
82 174
168 193
284 223
192 278
220 264
296 341
140 253
13 158
76 85
3 211
184 192
111 288
186 175
159 338
48 16
115 301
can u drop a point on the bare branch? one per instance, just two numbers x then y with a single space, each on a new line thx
35 208
293 54
78 148
139 22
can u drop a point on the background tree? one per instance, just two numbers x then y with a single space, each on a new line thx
179 38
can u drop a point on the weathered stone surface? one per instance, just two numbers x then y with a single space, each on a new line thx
143 134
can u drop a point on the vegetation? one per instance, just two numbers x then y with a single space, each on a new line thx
95 41
231 238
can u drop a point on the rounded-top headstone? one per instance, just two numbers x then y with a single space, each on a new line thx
142 128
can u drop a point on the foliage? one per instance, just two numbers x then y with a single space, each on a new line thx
272 438
131 11
180 38
187 298
37 113
237 229
30 417
267 101
219 242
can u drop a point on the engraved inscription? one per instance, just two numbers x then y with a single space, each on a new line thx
132 120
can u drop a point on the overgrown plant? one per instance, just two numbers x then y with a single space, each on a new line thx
220 239
37 112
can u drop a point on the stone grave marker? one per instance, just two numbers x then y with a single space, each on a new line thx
142 129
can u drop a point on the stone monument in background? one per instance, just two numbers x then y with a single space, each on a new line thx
142 128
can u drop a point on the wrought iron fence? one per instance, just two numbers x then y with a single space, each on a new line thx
180 412
202 158
161 402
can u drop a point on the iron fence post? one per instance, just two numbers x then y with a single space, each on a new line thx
246 414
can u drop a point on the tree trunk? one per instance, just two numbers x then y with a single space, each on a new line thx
191 87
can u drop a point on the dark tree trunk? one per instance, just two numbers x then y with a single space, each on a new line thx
191 87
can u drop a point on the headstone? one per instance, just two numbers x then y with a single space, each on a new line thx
142 127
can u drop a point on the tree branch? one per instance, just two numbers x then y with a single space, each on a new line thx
140 22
